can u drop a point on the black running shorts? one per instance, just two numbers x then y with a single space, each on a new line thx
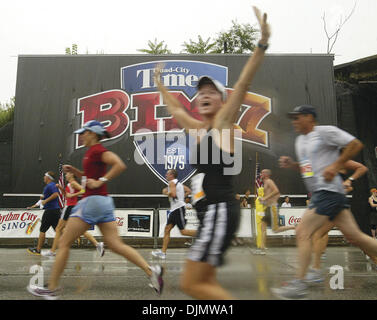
66 213
50 218
177 217
216 230
328 203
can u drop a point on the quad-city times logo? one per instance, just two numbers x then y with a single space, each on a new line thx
139 109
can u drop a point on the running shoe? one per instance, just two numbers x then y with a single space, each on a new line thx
157 283
259 252
313 276
48 253
34 251
292 290
43 292
100 249
159 254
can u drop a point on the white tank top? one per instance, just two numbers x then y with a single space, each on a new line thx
179 200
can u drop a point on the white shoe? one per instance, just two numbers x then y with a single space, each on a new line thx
157 283
100 248
44 292
292 290
159 254
48 253
313 276
260 252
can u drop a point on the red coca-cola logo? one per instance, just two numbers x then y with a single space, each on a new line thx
293 220
119 221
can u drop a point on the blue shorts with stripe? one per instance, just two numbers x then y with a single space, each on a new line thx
218 225
328 203
94 210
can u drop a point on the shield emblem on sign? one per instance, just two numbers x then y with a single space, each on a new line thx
161 149
164 151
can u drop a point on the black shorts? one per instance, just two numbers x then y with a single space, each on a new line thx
66 213
200 207
328 203
177 217
271 217
50 218
216 231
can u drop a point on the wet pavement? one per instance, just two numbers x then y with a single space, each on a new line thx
246 276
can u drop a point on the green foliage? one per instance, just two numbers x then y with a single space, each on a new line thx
200 47
240 38
7 112
156 48
72 50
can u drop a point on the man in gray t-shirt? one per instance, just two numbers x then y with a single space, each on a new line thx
317 150
319 161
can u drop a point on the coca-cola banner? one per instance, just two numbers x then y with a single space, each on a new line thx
291 216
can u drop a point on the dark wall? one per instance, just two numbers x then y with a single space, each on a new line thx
48 88
357 106
6 143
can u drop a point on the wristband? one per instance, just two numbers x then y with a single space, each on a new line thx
103 179
351 179
263 46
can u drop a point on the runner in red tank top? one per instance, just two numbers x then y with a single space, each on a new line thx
70 201
95 208
95 168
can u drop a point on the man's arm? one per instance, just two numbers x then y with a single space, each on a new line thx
358 171
173 191
274 190
187 190
50 198
287 163
351 150
35 205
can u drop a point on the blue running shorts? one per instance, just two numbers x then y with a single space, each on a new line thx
94 210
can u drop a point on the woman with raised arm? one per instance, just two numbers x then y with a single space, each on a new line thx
220 217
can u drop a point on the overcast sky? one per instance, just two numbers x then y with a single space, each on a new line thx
122 27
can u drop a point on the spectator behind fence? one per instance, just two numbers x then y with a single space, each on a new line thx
244 203
286 203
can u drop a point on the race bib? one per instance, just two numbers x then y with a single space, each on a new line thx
197 187
306 169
